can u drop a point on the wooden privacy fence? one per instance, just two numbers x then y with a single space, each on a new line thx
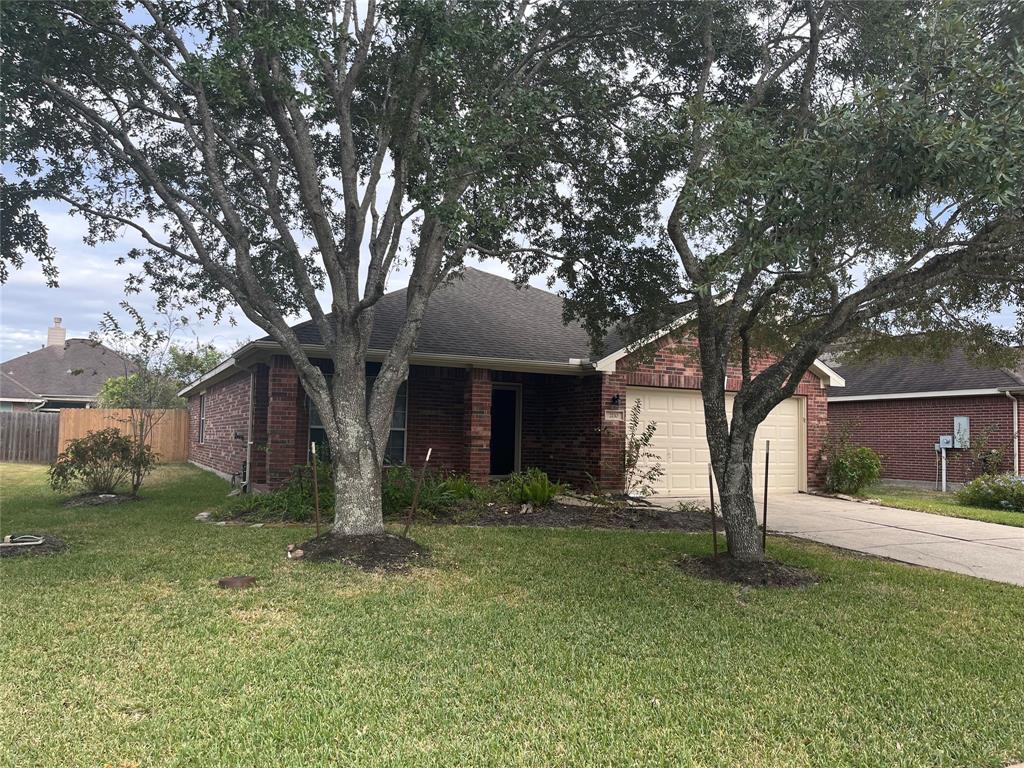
28 436
169 438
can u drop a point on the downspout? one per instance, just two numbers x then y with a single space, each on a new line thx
1016 430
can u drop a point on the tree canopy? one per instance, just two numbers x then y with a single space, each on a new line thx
286 156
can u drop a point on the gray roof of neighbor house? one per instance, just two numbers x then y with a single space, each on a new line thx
75 369
910 375
482 315
12 390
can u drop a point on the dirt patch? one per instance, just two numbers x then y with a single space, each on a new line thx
556 515
763 573
383 552
98 499
51 546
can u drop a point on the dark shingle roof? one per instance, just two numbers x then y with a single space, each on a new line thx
76 368
482 315
12 390
900 375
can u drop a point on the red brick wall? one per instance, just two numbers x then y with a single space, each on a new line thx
903 432
287 421
436 402
227 412
674 364
564 429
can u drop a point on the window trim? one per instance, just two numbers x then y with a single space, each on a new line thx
404 429
202 418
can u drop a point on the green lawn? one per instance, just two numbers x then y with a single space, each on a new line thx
938 503
520 647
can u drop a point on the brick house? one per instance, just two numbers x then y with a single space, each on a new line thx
901 406
498 382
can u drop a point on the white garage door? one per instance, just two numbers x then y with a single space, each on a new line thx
680 442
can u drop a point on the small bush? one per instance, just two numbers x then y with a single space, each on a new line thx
98 463
461 488
397 488
852 469
1005 491
293 502
531 487
638 480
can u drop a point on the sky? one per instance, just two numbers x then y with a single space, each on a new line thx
91 283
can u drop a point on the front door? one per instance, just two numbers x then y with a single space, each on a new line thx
504 430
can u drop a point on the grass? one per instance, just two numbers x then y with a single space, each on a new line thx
520 647
938 503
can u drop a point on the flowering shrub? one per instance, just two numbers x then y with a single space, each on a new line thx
1005 491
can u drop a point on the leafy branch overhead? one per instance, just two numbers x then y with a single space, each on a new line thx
285 158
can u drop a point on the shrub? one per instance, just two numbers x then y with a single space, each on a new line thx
461 488
1005 491
397 487
293 502
640 481
852 469
98 462
531 487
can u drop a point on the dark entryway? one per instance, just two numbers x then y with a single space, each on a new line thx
504 430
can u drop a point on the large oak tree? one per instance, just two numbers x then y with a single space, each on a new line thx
276 154
801 174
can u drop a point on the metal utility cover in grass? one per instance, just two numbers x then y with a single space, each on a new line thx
236 582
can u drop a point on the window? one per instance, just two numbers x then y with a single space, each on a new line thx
6 406
202 418
394 453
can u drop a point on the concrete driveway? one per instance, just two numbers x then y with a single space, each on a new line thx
985 550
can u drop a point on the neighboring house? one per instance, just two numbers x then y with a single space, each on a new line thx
66 373
499 383
901 406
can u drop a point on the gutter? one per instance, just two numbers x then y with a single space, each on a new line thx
575 366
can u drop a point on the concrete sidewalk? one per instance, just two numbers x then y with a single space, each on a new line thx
985 550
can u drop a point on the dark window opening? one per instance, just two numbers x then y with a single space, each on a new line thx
504 430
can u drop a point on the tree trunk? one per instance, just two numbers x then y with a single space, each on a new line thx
357 491
736 492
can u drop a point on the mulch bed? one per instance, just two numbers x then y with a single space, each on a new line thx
762 573
383 552
98 499
51 546
556 515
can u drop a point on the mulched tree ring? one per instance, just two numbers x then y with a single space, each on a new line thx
561 515
51 546
236 582
376 552
758 573
97 499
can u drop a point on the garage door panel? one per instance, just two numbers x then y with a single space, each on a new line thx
680 441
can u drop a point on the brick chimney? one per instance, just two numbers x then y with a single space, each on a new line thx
55 335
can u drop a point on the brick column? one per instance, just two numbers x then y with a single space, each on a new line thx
287 422
478 424
612 440
260 412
